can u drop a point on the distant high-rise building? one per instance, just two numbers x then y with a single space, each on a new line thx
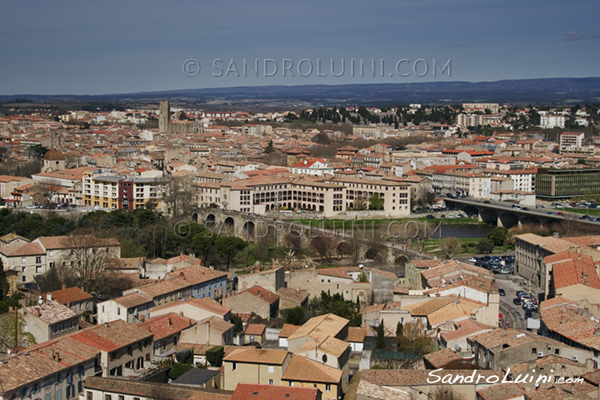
164 118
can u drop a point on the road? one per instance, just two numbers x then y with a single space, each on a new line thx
541 212
513 315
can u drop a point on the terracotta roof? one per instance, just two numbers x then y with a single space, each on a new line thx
166 325
247 391
204 303
51 312
257 356
133 300
262 294
22 250
503 391
217 324
440 358
287 330
356 334
320 327
112 336
255 329
70 295
302 369
148 389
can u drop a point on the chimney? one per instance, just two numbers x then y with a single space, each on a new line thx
56 356
38 312
181 313
49 297
64 286
169 321
207 332
106 324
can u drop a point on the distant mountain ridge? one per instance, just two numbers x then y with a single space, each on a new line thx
536 91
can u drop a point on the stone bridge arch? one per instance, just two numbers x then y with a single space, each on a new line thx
508 219
488 216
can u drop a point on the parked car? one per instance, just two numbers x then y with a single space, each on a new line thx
516 206
517 301
528 314
525 208
502 292
560 213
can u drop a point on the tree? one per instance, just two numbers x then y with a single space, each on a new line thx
449 247
380 340
49 281
269 149
375 202
321 138
179 369
413 338
228 247
4 285
498 236
7 331
399 329
359 203
215 356
325 246
238 325
485 246
90 259
177 196
294 316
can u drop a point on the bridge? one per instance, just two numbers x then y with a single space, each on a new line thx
353 238
504 214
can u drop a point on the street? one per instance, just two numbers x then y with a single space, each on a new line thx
513 315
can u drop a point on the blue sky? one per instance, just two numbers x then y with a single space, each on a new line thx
82 47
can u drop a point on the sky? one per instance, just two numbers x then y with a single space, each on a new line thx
126 46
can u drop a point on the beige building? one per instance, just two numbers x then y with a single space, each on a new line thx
255 300
196 309
75 299
271 279
305 373
258 366
125 349
209 331
49 319
133 308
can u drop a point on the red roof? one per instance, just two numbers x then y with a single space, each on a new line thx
255 329
245 391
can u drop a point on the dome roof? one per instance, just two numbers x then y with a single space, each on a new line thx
54 155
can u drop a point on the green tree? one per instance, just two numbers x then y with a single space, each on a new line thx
215 356
498 236
485 246
4 285
179 369
380 340
238 324
294 316
375 202
399 329
228 247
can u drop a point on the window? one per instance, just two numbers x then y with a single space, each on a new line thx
233 366
328 387
121 397
533 350
38 260
107 397
118 310
291 383
270 381
271 369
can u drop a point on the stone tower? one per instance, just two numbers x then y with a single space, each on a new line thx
164 118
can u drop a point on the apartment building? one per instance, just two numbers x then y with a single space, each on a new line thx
550 121
258 366
53 370
125 349
32 259
554 183
121 192
49 319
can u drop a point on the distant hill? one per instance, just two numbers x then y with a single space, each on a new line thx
550 91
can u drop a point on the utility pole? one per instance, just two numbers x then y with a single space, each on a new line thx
16 331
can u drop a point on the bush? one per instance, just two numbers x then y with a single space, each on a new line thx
179 369
184 356
485 246
215 356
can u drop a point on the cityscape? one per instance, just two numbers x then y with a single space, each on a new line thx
317 221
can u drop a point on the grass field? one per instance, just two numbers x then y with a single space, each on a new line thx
588 211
